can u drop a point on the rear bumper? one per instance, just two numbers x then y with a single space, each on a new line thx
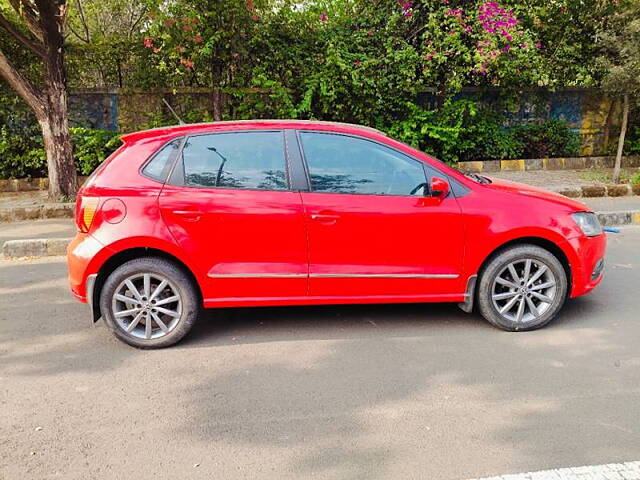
81 255
588 266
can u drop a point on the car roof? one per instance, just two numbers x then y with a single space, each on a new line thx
248 124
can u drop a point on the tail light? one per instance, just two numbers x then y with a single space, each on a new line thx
86 209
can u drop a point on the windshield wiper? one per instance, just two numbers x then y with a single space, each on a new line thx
478 178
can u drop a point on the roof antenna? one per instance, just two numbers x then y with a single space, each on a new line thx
172 111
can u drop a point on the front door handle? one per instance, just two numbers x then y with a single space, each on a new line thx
189 215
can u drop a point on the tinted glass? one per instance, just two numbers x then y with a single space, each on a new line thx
158 166
252 160
343 164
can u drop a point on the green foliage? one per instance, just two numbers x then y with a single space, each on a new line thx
620 58
460 130
552 138
632 142
635 178
465 130
22 152
91 147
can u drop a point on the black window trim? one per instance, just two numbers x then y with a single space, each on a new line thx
329 132
170 165
177 177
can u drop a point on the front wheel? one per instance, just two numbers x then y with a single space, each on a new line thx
522 288
149 303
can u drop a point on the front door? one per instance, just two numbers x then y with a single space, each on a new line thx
372 230
233 213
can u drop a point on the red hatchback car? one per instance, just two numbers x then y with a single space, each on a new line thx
296 212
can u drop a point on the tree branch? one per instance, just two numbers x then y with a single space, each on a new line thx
83 20
29 13
27 42
22 85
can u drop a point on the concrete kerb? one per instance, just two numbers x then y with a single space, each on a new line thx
38 212
35 247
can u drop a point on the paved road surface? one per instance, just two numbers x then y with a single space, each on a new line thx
376 392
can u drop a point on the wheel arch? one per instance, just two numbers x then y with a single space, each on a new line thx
123 256
541 242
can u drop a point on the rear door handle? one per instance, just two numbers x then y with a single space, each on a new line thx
189 215
324 217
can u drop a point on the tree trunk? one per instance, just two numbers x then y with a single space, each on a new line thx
55 125
217 104
607 126
623 132
63 181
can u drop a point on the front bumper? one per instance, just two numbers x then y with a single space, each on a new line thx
588 265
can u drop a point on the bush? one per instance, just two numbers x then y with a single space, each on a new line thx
632 142
22 152
91 147
552 138
460 130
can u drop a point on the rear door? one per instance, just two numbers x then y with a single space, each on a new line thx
372 229
229 206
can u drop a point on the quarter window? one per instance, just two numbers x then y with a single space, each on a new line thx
344 164
247 160
158 167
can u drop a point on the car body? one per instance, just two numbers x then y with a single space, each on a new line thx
301 228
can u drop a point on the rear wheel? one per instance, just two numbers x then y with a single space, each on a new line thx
522 288
149 303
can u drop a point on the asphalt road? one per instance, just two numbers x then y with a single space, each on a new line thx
412 391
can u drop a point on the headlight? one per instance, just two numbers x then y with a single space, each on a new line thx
588 223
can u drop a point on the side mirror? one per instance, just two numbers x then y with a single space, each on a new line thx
439 188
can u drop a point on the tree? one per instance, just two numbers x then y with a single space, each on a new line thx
620 60
38 25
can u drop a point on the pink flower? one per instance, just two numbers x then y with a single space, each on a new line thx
198 39
169 22
538 44
370 33
147 43
323 17
187 62
187 28
357 63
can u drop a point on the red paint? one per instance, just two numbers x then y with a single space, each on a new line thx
314 238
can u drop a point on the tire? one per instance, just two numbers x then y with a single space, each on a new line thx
508 303
163 310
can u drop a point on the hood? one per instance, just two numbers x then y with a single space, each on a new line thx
528 190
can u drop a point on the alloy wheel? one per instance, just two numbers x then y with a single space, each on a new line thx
524 290
147 305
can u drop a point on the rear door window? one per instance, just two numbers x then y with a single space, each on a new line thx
243 160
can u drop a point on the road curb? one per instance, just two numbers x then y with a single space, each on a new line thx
628 217
44 247
35 247
38 212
